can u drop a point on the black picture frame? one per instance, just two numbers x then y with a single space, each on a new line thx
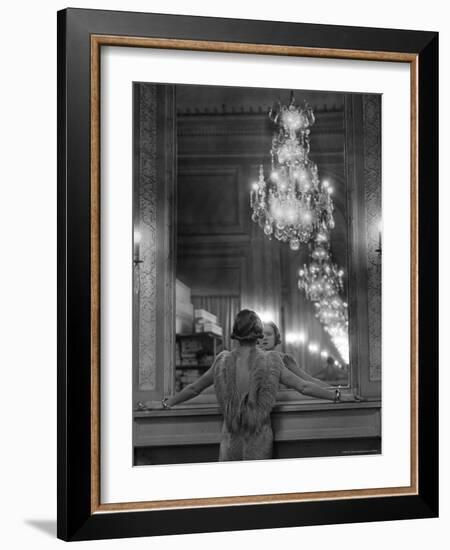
76 475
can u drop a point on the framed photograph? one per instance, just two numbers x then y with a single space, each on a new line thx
247 286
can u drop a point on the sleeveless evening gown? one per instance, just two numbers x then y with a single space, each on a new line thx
247 430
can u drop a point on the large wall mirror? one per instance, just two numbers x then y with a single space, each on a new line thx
224 219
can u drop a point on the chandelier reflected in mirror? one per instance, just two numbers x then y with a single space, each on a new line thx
292 203
333 314
321 278
322 282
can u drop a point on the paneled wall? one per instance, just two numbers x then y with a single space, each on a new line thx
154 176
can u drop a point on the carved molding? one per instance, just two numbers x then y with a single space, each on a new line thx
248 110
247 124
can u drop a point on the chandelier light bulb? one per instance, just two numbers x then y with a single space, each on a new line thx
290 215
294 244
303 174
307 218
292 120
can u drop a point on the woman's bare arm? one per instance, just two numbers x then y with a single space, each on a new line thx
306 387
194 389
291 364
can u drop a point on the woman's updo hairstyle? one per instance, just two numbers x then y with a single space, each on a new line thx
247 326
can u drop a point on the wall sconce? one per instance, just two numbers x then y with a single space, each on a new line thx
380 232
136 248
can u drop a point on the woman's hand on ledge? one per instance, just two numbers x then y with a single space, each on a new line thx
351 397
150 406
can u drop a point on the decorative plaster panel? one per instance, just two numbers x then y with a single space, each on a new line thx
372 179
147 215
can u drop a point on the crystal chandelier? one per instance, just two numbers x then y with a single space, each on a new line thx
321 278
292 204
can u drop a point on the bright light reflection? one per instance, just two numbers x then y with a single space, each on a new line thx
295 337
266 316
313 348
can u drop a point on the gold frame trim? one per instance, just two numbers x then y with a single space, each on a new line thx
97 41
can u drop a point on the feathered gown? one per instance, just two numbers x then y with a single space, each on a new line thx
247 430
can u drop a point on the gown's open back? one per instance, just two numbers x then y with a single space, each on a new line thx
246 399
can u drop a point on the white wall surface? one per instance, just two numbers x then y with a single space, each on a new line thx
28 273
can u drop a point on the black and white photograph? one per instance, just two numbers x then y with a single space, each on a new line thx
257 256
221 285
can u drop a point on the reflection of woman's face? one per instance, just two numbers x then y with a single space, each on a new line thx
267 342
